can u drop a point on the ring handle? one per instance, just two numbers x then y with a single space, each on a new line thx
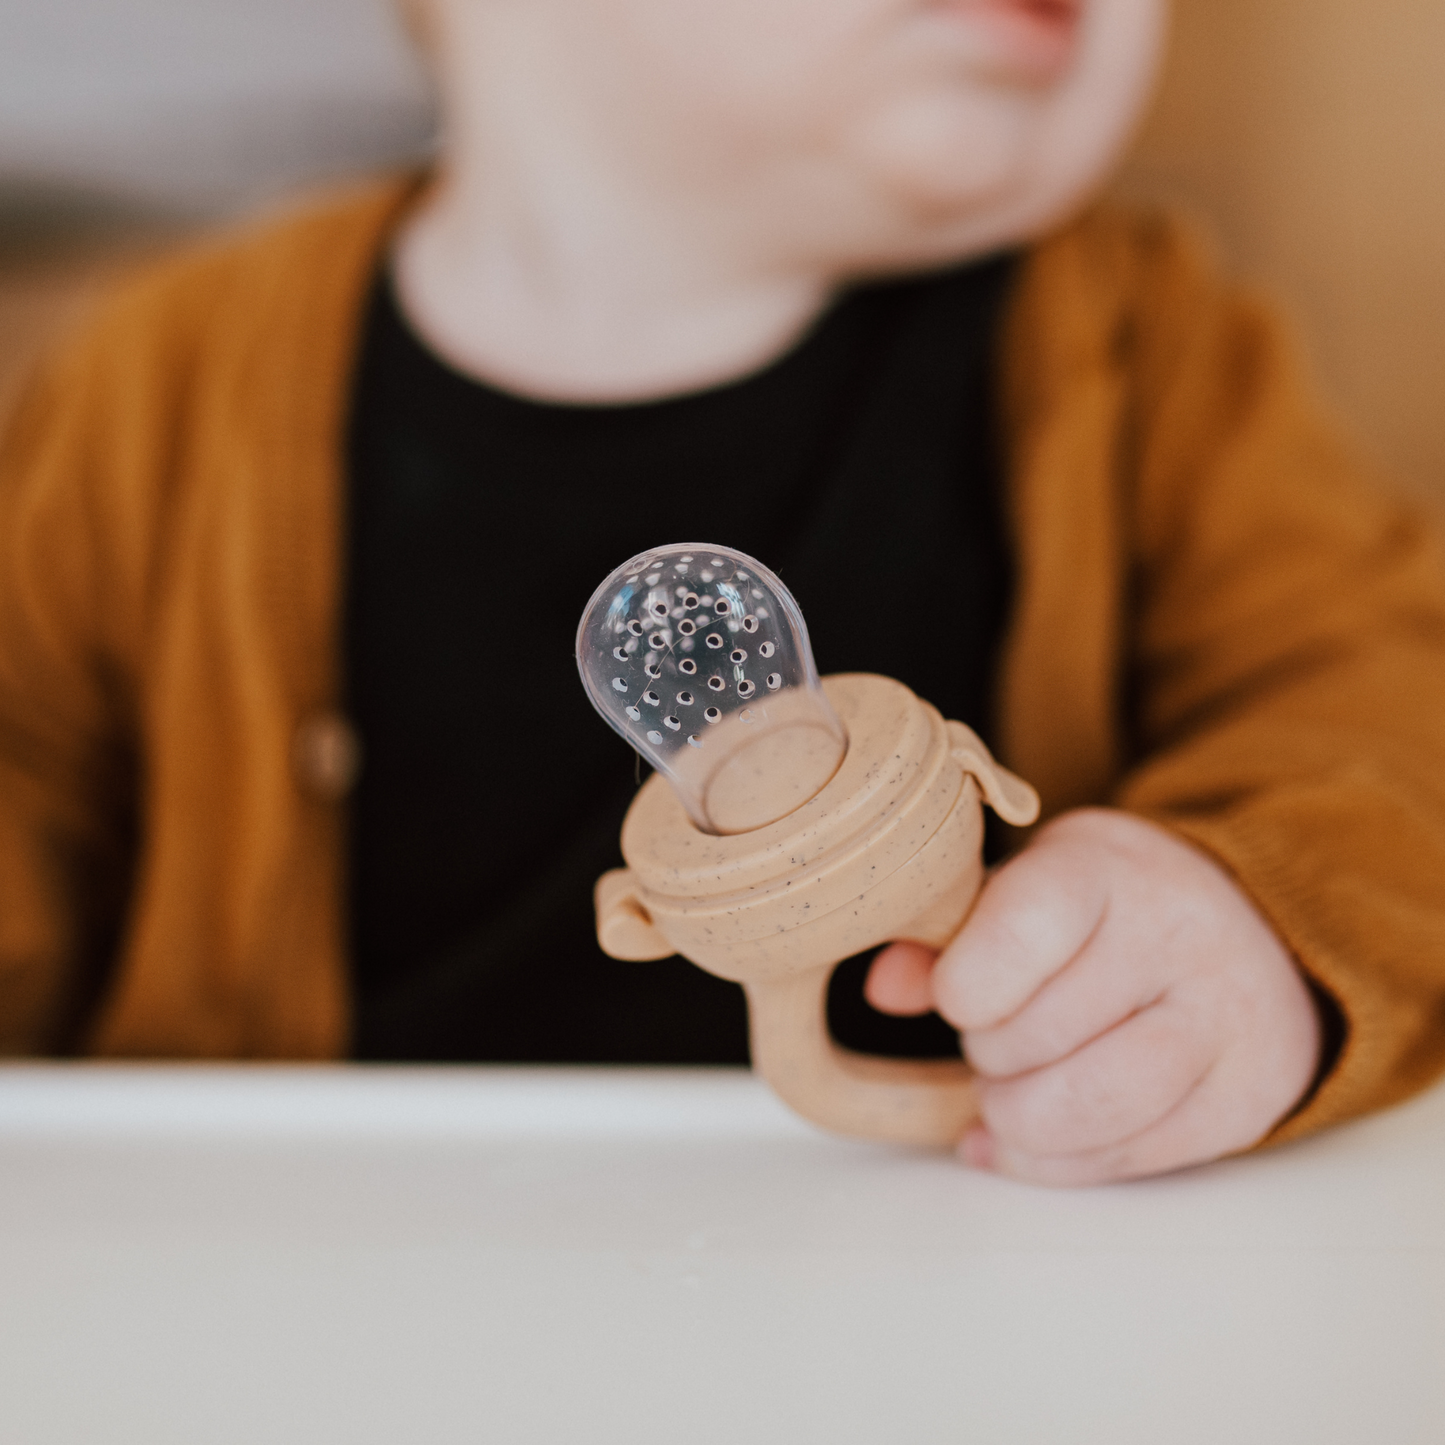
931 1103
905 1101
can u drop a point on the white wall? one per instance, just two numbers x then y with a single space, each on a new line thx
199 103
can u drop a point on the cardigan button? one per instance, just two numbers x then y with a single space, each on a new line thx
326 754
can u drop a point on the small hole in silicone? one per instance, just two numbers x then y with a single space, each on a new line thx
693 741
654 736
722 607
737 655
620 683
634 713
712 715
750 623
672 723
690 601
687 666
775 680
746 688
635 627
714 640
653 669
657 639
684 699
687 627
619 654
766 649
651 698
659 609
747 715
716 683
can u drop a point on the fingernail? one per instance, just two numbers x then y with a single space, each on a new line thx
976 1148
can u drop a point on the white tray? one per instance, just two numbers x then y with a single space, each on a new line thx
352 1255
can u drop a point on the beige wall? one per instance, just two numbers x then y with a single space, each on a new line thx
1311 133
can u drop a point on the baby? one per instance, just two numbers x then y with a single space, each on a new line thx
292 762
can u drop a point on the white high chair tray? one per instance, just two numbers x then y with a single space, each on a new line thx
359 1255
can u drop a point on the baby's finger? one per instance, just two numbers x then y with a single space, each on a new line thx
1103 985
900 980
1031 919
1122 1083
1202 1127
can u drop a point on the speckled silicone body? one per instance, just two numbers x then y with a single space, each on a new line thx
891 848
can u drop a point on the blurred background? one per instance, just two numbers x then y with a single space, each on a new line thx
1309 135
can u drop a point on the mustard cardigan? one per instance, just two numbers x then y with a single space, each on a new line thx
1218 625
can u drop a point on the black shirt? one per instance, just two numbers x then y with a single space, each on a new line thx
861 466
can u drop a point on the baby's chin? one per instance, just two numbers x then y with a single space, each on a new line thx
1029 40
962 170
951 166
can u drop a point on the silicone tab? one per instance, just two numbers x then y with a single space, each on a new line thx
624 927
1005 792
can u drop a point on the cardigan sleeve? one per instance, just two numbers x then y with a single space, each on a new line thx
1284 682
66 759
88 462
169 875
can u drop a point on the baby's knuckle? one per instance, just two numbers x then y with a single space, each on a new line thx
1030 1116
990 1059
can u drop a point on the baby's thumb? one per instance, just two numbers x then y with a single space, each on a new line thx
900 979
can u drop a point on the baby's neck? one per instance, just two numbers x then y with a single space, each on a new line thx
585 302
566 251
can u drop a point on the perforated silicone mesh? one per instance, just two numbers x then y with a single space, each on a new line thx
699 657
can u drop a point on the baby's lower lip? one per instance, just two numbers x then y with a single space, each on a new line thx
1036 36
1048 14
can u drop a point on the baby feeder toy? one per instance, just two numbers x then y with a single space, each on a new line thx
792 822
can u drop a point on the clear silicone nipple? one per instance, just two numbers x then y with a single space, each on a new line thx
699 657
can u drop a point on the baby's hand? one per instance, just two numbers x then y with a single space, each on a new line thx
1126 1008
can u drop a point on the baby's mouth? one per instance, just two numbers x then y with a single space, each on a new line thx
1035 37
